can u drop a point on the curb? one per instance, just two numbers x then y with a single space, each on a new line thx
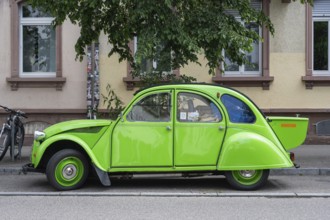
11 171
157 194
301 172
275 172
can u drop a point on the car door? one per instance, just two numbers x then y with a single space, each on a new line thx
199 130
144 136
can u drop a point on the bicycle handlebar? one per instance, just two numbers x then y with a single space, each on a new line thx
16 112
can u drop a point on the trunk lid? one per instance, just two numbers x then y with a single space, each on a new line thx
291 131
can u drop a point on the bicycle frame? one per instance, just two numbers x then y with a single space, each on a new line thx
14 125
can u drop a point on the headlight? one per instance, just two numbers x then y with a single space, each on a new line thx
38 135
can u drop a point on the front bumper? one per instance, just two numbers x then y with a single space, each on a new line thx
29 168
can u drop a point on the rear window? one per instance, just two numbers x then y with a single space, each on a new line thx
238 111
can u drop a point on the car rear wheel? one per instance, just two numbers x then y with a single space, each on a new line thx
67 170
247 179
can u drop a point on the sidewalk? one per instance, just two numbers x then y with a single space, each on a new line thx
313 160
15 167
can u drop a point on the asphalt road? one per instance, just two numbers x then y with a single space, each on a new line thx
163 208
277 186
284 197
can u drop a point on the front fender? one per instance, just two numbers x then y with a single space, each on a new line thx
38 151
247 150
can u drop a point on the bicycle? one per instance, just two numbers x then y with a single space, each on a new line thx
12 134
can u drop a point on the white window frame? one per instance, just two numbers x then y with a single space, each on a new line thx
31 22
241 72
321 72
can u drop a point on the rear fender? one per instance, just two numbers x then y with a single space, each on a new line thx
246 150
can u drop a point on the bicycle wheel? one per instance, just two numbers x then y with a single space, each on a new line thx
4 143
17 141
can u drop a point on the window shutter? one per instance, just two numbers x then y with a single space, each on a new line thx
321 8
256 4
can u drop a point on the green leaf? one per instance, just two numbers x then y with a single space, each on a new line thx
183 28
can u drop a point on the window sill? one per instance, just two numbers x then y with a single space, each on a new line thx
261 81
311 81
131 82
38 82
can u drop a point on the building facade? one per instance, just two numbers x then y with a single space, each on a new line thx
40 75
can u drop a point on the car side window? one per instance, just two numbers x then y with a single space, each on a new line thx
238 111
153 108
196 108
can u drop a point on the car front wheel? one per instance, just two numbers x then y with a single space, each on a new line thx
67 169
247 179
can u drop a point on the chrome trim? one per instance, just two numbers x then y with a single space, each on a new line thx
247 173
38 135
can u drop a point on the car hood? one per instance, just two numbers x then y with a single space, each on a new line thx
74 124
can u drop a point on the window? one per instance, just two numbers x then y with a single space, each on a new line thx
36 46
37 43
321 22
321 46
196 108
317 44
148 65
156 63
255 74
237 110
153 108
253 67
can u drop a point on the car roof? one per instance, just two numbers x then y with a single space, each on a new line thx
185 84
192 85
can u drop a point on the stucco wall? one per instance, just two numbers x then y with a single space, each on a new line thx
73 95
112 72
5 47
287 64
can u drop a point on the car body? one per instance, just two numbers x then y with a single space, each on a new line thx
174 128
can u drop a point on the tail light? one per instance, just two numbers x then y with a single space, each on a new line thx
292 156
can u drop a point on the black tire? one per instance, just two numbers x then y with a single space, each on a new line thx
17 141
4 143
247 179
67 170
12 143
20 140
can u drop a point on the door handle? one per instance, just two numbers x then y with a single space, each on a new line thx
168 128
221 128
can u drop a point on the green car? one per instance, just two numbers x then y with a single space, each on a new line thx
177 128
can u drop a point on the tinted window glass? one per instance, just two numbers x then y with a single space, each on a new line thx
154 108
321 35
237 110
196 108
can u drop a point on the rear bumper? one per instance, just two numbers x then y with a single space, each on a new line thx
29 168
